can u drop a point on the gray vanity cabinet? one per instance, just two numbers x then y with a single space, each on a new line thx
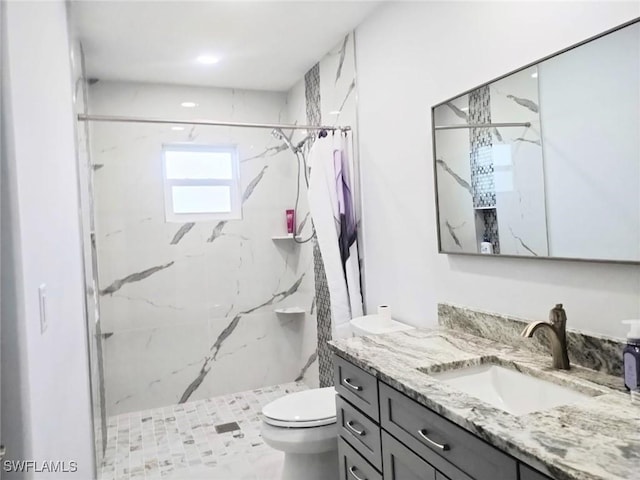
385 435
359 431
527 473
449 448
352 466
400 463
357 386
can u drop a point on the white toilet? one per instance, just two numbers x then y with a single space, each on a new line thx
303 424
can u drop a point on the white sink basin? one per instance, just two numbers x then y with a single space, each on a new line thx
509 390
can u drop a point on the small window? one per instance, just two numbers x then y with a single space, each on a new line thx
201 183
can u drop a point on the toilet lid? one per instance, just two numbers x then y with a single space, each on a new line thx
309 408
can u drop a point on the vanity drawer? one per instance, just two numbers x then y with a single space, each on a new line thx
400 463
357 386
528 473
441 442
359 431
352 465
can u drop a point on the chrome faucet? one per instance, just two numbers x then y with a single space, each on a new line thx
557 328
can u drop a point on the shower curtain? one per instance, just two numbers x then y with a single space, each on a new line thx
332 211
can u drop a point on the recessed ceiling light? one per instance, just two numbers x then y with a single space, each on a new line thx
189 104
177 129
207 60
534 75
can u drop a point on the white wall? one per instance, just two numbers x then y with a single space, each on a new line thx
591 162
414 55
46 405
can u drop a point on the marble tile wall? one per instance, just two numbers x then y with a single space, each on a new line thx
458 230
188 309
183 305
519 166
329 93
313 103
500 170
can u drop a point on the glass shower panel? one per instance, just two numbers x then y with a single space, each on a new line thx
185 304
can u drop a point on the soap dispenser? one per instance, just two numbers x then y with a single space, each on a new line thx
631 356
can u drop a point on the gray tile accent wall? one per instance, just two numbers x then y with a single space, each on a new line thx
323 301
482 181
312 95
482 171
490 221
323 315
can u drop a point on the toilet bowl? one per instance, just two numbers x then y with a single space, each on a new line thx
303 426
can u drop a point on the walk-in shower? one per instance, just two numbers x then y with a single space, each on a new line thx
173 300
203 308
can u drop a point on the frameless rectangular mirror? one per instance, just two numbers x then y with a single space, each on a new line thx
545 161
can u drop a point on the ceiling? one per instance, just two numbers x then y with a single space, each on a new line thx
261 45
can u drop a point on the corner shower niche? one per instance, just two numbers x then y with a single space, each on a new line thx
183 304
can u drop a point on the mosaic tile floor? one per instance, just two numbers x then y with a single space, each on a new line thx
180 442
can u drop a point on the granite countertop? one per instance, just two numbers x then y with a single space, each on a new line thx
598 439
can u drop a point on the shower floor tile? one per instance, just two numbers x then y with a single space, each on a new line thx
181 442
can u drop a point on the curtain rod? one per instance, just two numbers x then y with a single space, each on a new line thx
113 118
482 125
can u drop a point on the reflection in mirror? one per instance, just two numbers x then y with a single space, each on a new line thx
545 162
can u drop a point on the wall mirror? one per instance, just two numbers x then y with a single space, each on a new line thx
545 161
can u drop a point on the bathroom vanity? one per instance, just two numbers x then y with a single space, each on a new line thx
406 440
399 416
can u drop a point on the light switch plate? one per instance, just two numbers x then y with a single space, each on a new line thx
42 297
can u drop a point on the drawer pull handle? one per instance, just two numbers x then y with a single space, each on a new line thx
352 471
347 382
354 429
441 446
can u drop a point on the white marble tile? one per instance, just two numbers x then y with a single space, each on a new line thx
520 185
171 291
453 168
155 367
181 442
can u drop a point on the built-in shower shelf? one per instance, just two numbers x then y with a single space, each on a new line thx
290 310
277 238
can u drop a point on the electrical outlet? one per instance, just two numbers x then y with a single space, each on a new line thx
42 297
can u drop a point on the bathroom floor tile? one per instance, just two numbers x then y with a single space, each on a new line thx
185 441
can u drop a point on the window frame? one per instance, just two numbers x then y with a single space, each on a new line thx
234 183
